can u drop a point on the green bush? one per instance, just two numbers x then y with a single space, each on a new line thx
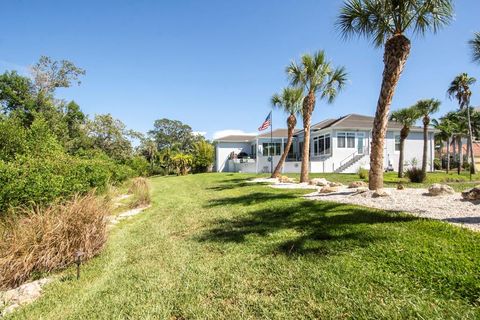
362 173
415 174
437 164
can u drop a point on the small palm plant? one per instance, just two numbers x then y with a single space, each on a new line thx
316 76
460 90
291 101
386 22
475 47
407 118
425 108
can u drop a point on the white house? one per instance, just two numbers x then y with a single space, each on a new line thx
336 145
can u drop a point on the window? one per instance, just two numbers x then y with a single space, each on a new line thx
272 149
321 145
346 140
291 154
350 139
253 150
341 140
397 142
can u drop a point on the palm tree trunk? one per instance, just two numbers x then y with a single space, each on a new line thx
291 123
448 155
308 105
401 159
425 146
470 142
454 149
460 153
397 49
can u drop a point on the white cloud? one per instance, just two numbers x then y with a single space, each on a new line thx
8 66
230 132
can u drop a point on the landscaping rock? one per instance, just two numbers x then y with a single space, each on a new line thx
285 179
335 184
438 189
400 186
328 189
472 194
321 182
22 295
380 193
357 184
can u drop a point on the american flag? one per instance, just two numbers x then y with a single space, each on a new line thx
266 123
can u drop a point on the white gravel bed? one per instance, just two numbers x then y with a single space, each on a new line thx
449 208
302 185
263 180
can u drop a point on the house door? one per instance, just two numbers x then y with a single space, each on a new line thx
361 142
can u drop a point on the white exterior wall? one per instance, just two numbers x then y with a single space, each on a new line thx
223 151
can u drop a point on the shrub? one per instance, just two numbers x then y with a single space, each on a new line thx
415 174
43 240
362 173
203 156
437 164
141 192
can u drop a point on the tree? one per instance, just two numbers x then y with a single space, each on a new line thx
446 128
407 118
460 90
173 134
111 136
475 47
50 74
203 156
425 108
316 76
182 162
16 92
386 22
290 101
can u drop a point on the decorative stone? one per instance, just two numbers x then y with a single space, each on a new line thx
380 193
321 182
328 189
285 179
357 184
22 295
400 186
438 189
335 184
472 194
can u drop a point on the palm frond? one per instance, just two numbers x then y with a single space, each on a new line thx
475 47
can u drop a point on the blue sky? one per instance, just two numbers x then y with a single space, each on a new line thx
214 64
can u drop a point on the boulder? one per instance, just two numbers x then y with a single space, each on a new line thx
321 182
472 194
335 184
285 179
438 189
400 186
380 193
328 189
358 184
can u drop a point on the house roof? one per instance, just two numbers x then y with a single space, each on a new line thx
277 133
476 148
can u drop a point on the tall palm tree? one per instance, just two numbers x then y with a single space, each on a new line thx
446 130
407 118
316 76
386 22
425 108
290 100
475 47
460 130
460 90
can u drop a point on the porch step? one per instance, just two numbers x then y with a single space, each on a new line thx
349 163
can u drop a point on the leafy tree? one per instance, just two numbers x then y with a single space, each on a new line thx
460 90
203 156
386 23
111 136
76 128
425 108
17 96
475 47
407 118
173 134
316 76
290 101
182 163
49 74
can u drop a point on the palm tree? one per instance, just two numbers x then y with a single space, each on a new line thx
446 128
460 130
460 90
425 108
407 118
386 22
475 47
290 100
315 75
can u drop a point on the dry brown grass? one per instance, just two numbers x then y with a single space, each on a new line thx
46 239
141 192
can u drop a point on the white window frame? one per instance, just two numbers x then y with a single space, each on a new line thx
395 143
344 135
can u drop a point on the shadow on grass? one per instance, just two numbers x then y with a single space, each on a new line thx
291 226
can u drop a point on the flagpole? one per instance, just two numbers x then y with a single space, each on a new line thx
271 141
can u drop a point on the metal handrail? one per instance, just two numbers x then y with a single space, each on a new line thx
348 158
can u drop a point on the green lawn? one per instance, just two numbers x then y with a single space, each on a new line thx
215 247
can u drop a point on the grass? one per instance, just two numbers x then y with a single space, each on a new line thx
215 247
